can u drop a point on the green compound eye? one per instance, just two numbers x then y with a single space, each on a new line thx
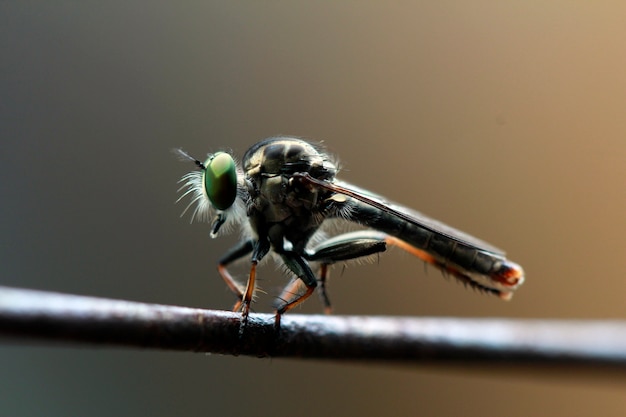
220 180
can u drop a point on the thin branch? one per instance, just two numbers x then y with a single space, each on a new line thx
88 320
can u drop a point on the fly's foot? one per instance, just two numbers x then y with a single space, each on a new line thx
245 312
277 318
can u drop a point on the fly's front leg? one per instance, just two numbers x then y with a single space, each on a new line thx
259 249
344 247
242 249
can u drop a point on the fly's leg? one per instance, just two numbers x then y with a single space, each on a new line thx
361 239
293 289
291 297
344 247
328 309
244 303
367 242
290 292
259 249
449 268
235 253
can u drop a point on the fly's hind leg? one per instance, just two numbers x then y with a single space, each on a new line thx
344 247
328 309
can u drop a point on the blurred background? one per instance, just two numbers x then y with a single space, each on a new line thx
505 120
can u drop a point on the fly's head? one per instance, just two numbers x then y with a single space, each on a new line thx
213 188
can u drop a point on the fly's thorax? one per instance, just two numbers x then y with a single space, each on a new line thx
277 200
268 168
268 198
286 156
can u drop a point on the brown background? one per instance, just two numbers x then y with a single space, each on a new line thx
507 120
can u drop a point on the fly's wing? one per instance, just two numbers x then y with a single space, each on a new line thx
407 215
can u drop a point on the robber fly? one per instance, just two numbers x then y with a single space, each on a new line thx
285 196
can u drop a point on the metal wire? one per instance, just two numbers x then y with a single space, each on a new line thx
27 315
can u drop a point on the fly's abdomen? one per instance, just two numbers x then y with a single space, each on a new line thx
471 263
450 251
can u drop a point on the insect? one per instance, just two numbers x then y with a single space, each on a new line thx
285 197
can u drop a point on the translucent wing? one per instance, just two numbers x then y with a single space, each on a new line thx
403 214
